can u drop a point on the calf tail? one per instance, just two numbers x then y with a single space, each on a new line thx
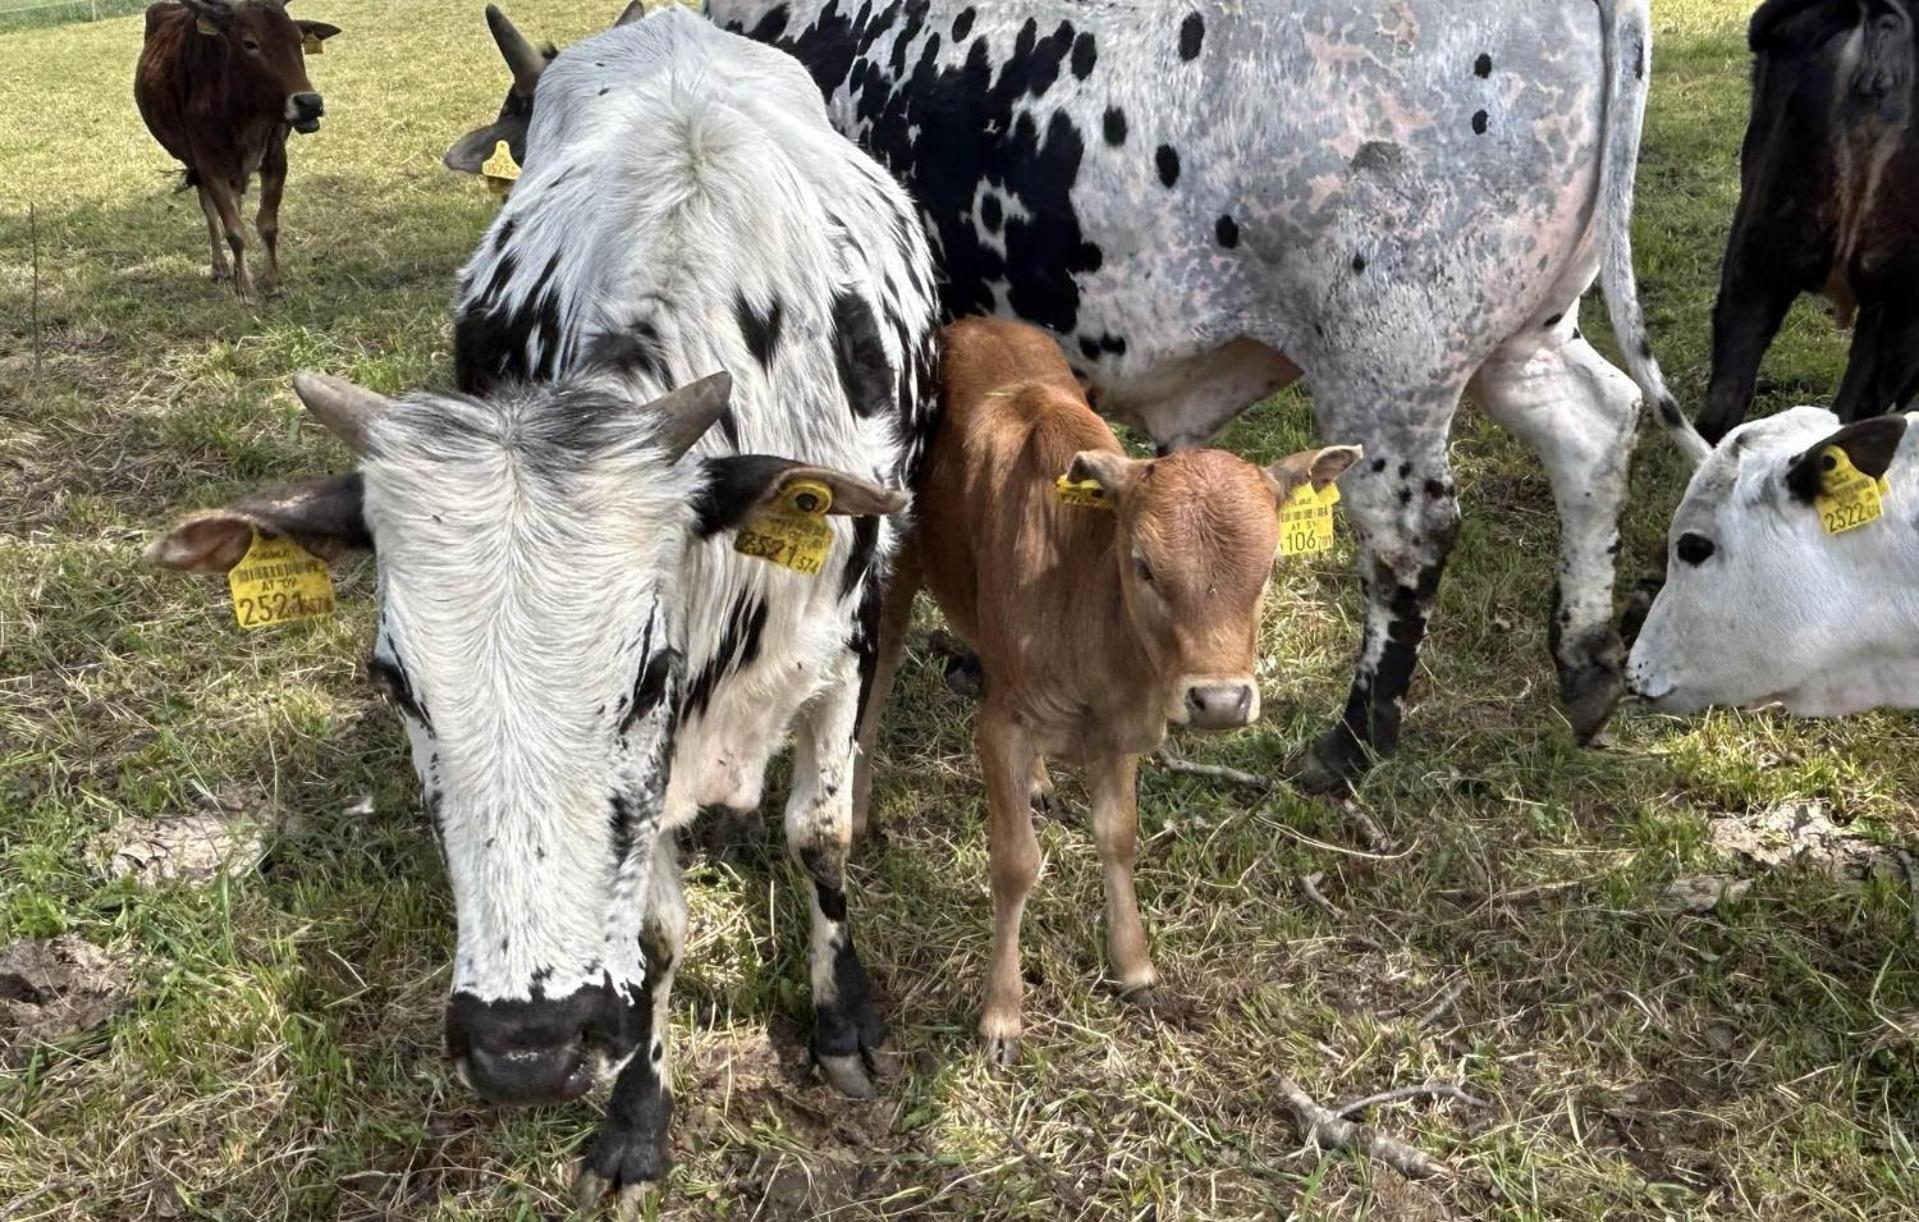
1626 28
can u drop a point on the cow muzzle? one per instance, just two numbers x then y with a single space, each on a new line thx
521 1053
304 111
1217 704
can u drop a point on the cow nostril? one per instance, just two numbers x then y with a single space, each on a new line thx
1219 705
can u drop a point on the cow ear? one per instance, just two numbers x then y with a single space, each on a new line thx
1110 469
630 14
317 29
1315 467
1886 60
322 516
470 152
740 485
1868 444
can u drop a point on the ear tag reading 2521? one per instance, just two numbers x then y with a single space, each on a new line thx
1081 494
500 169
279 581
792 533
1848 497
1306 520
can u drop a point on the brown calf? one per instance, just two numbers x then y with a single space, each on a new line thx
218 85
1096 627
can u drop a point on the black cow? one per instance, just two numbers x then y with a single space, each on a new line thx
1828 203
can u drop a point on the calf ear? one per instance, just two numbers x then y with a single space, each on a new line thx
1885 63
1868 444
470 151
739 486
317 29
323 516
1316 467
1110 469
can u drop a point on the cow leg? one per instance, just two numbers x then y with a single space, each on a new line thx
1113 786
228 207
1752 303
1882 371
1579 414
890 646
216 240
273 181
819 829
1405 515
1185 403
1006 761
631 1151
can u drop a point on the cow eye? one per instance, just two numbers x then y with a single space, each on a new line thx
252 46
1694 549
1141 569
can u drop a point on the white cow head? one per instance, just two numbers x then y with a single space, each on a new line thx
530 551
1762 604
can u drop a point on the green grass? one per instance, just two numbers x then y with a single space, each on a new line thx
280 1056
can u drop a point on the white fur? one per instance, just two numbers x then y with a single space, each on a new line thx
1781 611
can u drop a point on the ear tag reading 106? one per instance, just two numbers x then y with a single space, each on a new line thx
1306 520
1081 494
792 533
279 581
312 45
1848 497
500 169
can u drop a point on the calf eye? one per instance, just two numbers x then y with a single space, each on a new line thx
1694 549
1142 569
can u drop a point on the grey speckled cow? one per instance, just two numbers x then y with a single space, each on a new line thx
1404 199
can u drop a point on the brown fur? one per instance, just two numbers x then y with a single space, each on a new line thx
1086 657
221 111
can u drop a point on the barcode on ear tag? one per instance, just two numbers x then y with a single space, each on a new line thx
1306 520
277 582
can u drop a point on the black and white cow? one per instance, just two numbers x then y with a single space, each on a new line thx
564 621
1828 201
1765 604
1202 198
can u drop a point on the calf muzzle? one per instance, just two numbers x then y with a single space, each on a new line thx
304 111
540 1051
1220 706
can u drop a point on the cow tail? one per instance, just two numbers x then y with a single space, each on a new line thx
1626 27
189 179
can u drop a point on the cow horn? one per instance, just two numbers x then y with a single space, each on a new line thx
691 410
348 411
522 57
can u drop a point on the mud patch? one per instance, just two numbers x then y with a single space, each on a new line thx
53 987
1802 834
228 835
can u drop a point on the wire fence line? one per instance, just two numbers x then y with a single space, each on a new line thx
20 14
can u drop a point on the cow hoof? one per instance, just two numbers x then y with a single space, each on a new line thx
1330 766
1140 997
1590 685
964 678
625 1166
220 275
736 836
1002 1050
848 1074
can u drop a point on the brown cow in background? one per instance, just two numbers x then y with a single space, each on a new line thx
218 85
1096 626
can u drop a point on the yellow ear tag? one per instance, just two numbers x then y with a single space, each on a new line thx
312 45
792 533
1848 497
206 27
1306 520
1081 494
278 581
500 169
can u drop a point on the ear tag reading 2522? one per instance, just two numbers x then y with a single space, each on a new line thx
1848 497
792 533
1306 520
500 169
279 581
1081 494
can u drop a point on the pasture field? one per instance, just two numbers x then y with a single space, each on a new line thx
279 1052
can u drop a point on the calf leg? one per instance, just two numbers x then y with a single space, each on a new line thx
1405 515
630 1153
273 181
1579 414
216 240
1006 761
227 205
887 651
1113 783
819 828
